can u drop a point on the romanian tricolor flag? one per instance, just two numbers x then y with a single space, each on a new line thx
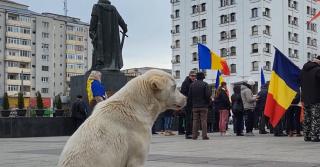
283 87
210 60
219 80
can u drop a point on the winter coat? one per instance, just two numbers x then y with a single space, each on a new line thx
222 101
199 94
185 86
310 83
249 102
237 105
79 110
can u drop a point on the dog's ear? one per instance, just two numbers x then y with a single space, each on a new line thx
157 82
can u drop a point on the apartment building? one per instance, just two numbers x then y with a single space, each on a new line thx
39 52
244 33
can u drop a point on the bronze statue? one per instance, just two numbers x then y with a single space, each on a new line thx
104 32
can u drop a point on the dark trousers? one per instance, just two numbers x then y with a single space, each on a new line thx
249 119
293 119
180 124
188 121
262 121
199 114
312 121
238 122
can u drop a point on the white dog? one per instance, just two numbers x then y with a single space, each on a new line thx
118 133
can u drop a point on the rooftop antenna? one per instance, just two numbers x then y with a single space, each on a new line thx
65 8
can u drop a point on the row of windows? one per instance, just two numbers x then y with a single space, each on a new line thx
293 20
22 53
255 30
74 28
16 76
198 8
19 18
72 74
75 66
75 47
228 18
228 35
199 24
74 56
74 37
18 64
18 29
19 41
312 41
196 40
224 3
233 68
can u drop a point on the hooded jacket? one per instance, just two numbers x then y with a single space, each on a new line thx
310 83
249 102
262 98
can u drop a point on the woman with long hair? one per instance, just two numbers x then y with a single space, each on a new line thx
223 105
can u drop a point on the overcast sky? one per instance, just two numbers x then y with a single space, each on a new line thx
148 27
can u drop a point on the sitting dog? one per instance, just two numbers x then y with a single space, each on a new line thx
118 133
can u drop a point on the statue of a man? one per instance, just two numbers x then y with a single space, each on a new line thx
104 32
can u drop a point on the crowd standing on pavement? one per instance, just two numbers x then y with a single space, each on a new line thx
247 109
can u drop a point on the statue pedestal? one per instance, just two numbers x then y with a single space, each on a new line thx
112 81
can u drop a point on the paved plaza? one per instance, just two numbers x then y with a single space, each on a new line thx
175 151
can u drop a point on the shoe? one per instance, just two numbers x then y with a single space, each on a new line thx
279 135
194 138
188 137
263 132
315 140
181 133
154 133
205 138
249 134
240 134
166 133
299 135
171 133
290 134
307 139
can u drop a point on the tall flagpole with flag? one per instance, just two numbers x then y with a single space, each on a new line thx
283 87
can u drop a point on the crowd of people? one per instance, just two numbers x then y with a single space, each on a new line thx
213 110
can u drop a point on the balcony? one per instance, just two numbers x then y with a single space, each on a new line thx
18 82
74 61
79 71
19 35
18 58
18 47
18 70
15 93
18 23
73 42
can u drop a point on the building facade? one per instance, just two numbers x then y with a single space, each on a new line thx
244 33
40 52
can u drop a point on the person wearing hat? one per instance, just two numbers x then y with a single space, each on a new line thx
310 96
249 103
200 98
188 108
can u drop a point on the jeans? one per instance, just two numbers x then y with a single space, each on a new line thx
167 123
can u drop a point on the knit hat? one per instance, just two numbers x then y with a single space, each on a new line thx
250 82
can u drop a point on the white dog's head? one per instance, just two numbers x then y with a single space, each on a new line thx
165 89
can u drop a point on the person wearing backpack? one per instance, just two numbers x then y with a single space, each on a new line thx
237 110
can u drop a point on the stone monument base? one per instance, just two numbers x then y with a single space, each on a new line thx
112 81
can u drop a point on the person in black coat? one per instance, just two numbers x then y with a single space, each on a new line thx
310 91
79 111
188 108
237 110
261 103
200 98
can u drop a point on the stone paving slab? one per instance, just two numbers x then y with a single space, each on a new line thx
175 151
